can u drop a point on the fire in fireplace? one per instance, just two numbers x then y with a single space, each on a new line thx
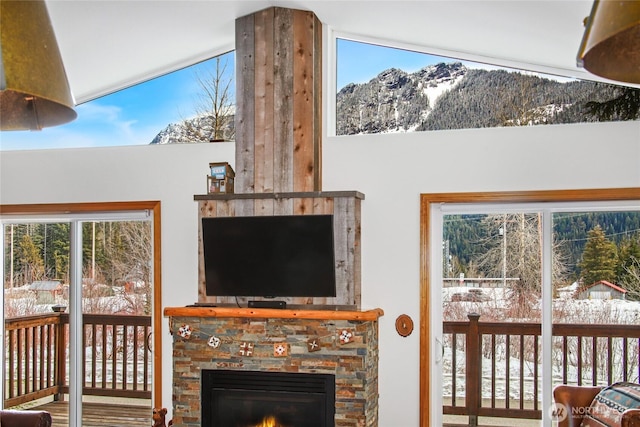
267 399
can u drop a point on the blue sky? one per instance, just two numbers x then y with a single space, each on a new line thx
360 62
134 116
131 116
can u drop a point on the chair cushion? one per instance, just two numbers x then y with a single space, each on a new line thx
25 418
607 407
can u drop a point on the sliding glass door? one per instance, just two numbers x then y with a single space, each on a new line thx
516 289
78 304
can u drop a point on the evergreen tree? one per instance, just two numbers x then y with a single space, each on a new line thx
599 258
59 250
625 106
30 259
628 261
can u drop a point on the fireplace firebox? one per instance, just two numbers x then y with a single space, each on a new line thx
267 399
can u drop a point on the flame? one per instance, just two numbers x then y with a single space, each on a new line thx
268 421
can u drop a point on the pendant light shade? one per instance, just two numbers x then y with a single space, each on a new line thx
34 92
610 46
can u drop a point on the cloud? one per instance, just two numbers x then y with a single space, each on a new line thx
109 125
97 125
94 111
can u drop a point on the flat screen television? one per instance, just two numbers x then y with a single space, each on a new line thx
269 256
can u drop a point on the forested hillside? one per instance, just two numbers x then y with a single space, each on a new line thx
112 252
450 96
445 96
467 237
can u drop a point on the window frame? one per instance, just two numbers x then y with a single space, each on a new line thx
71 212
330 70
427 257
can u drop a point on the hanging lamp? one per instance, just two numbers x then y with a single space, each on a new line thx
34 91
610 46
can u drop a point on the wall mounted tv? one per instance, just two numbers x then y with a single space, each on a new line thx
269 256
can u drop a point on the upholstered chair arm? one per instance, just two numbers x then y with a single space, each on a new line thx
15 418
574 397
631 418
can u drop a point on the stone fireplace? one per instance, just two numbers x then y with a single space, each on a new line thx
329 342
340 345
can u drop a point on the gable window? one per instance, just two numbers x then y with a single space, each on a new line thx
381 89
191 105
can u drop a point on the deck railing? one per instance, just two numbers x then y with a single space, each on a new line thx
496 366
487 360
116 358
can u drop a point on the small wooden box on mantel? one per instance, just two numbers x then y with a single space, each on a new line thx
220 179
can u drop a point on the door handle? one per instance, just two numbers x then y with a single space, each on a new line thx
440 346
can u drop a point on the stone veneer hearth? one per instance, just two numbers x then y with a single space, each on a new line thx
277 340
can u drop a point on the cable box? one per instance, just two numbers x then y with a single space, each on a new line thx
268 304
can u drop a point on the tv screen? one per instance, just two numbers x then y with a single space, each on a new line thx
269 256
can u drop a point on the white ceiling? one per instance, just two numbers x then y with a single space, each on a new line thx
109 45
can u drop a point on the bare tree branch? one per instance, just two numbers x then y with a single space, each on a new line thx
214 107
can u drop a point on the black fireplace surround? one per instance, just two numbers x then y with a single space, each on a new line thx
263 398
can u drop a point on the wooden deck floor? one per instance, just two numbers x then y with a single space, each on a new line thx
461 421
100 414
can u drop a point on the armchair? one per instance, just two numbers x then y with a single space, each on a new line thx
19 418
578 400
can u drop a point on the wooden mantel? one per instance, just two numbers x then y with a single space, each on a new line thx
272 313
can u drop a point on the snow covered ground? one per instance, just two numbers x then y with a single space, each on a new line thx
493 307
22 301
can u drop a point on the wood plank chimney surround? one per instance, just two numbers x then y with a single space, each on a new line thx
278 101
278 172
278 139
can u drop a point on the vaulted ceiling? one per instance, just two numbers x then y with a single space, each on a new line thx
109 45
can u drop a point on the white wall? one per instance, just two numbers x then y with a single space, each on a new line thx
391 170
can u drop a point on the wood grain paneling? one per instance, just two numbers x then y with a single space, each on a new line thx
345 208
279 63
278 138
303 105
264 101
101 414
317 99
283 92
245 103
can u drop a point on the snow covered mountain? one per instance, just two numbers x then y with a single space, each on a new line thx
394 101
194 130
451 96
438 97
